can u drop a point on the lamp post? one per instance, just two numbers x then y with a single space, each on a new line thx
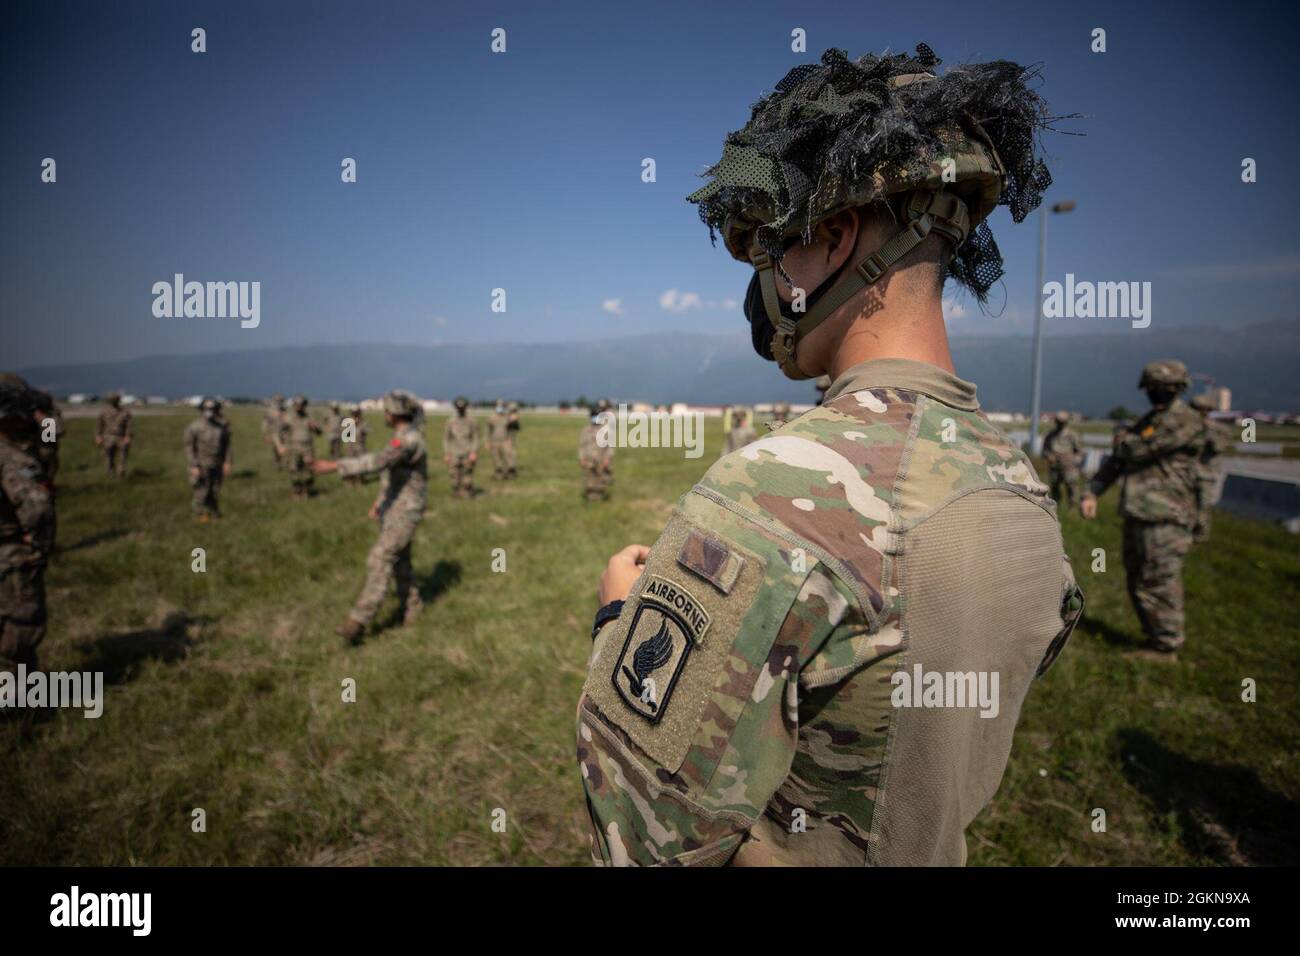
1060 207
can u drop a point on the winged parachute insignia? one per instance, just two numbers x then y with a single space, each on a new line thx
654 653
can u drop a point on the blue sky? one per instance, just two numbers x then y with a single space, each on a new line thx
522 170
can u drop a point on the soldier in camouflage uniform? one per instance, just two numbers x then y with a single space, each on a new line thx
49 424
272 422
357 446
460 449
498 440
207 452
334 430
596 456
512 441
1218 440
742 433
404 477
1157 462
780 415
113 434
738 706
298 446
26 526
1063 452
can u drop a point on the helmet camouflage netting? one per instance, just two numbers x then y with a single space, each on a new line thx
847 133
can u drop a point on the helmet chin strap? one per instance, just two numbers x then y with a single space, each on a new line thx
927 211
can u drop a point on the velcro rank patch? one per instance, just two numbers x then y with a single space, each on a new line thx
666 626
711 559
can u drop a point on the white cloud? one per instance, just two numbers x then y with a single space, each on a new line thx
673 300
613 306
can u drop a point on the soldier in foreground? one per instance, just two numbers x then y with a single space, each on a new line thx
403 469
1218 439
742 433
207 451
751 695
596 456
298 446
1157 463
113 434
460 449
498 439
1063 452
357 446
272 422
26 526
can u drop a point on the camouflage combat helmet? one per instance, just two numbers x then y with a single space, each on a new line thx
1202 403
940 151
210 405
299 403
513 407
1165 372
16 397
603 405
461 402
401 404
113 398
1062 418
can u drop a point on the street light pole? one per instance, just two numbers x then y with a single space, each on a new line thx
1060 207
1038 335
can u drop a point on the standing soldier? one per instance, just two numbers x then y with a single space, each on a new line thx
298 447
49 425
498 438
357 446
207 450
334 430
780 415
756 699
26 527
596 456
512 441
1218 439
113 434
1063 452
272 422
1158 463
403 468
742 433
460 449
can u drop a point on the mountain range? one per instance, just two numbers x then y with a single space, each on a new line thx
1087 373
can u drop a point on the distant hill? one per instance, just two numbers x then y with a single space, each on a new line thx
1089 373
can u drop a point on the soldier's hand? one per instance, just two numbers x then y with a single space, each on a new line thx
225 470
98 440
374 511
621 573
1088 506
473 457
194 474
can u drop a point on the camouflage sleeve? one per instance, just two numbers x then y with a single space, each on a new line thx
130 426
688 722
191 455
374 461
1106 475
99 425
446 437
1160 439
23 484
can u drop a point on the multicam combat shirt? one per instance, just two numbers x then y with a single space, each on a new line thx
752 703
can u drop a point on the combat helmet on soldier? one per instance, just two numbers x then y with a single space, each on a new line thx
1169 373
402 404
1062 418
877 130
299 403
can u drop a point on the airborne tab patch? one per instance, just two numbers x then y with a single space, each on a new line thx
667 625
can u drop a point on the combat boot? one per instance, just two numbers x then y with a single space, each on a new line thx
351 631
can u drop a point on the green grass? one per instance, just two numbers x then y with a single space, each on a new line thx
225 687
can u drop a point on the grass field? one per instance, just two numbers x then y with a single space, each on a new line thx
225 687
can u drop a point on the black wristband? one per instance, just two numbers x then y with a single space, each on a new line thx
606 614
